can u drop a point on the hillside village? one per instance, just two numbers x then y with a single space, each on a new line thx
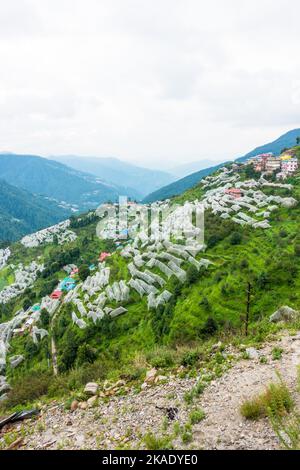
283 166
234 199
133 272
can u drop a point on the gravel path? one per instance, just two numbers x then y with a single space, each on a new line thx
224 427
123 421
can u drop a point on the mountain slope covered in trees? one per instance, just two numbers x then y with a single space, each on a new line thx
22 212
55 180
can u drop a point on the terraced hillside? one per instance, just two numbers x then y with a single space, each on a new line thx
149 300
174 189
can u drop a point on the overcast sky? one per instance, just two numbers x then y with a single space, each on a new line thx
158 82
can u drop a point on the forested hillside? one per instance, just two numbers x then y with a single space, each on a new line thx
59 182
204 295
22 212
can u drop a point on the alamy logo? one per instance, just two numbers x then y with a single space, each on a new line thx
159 221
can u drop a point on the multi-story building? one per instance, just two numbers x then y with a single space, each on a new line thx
290 166
272 164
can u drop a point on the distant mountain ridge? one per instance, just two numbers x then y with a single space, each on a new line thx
193 167
53 179
181 185
285 141
120 173
22 212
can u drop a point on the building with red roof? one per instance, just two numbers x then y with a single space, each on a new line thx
103 256
234 192
56 295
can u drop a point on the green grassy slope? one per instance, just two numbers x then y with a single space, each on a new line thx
209 304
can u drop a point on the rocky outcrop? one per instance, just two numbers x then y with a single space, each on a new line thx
284 314
91 388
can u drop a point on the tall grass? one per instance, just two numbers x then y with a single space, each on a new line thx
276 401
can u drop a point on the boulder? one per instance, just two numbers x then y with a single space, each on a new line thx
91 388
252 353
74 405
216 346
161 378
92 401
284 314
151 375
83 405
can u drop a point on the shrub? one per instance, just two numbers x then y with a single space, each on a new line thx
47 287
196 416
278 399
298 378
86 354
153 442
31 387
205 304
84 272
192 274
210 327
45 318
262 280
275 401
189 397
161 357
135 374
190 358
283 234
27 303
277 353
252 409
244 264
297 250
197 390
236 238
213 241
31 348
287 430
186 437
77 378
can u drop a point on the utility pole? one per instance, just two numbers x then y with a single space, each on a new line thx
248 308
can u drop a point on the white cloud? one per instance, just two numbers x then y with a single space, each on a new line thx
159 83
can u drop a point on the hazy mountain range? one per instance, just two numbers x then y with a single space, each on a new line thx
53 179
120 173
186 169
36 192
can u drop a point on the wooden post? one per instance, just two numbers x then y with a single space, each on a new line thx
248 308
